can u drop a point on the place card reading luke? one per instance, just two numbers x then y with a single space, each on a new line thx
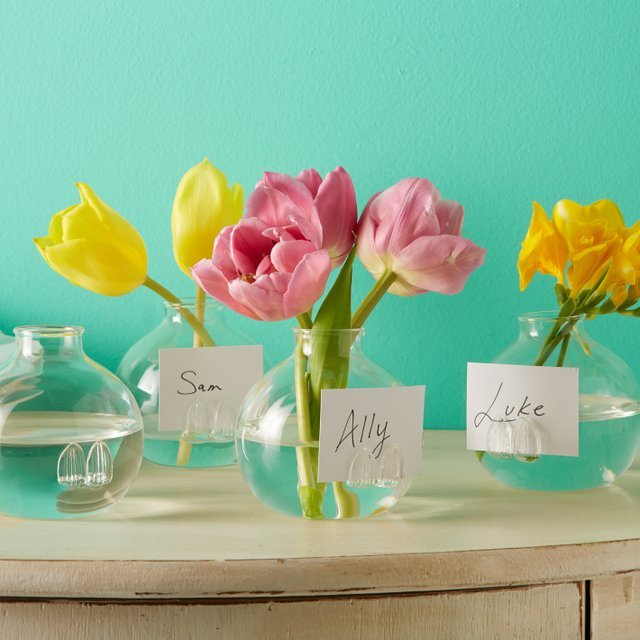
212 375
382 427
505 396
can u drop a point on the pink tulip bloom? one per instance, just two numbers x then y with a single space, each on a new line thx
409 230
322 211
265 271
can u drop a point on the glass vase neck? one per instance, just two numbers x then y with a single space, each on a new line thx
345 339
538 325
172 309
50 339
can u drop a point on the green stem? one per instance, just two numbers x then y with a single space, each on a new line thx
200 311
563 350
302 393
311 492
304 320
196 325
559 335
373 297
186 438
347 502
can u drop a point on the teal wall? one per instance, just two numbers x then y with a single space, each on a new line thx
499 103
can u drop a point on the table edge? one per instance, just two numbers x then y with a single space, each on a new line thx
315 577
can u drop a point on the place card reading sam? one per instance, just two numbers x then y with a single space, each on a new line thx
542 398
383 425
213 375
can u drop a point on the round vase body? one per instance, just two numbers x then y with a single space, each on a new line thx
191 446
70 432
272 449
609 428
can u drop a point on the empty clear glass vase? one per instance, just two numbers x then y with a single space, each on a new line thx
279 463
609 429
70 432
207 437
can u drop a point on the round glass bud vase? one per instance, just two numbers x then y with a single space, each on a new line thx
279 463
70 432
207 437
609 429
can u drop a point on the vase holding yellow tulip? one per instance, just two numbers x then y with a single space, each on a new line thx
202 440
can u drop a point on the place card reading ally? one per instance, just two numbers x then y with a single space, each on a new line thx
211 374
547 398
381 422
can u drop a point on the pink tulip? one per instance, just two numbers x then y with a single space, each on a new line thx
265 271
322 211
409 230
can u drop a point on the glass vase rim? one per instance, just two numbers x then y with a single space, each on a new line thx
301 331
48 331
190 302
547 316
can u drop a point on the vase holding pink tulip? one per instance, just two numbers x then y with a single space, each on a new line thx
272 450
274 264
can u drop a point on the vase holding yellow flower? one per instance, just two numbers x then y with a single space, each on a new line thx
594 258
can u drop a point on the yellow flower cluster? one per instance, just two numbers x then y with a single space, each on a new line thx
578 245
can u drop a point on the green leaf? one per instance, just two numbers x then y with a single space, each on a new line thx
561 293
329 358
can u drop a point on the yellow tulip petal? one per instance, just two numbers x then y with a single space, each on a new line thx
56 224
204 204
98 266
115 226
237 200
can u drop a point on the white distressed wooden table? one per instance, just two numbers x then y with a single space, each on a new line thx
191 554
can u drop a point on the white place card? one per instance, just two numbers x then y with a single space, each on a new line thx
207 378
377 430
542 398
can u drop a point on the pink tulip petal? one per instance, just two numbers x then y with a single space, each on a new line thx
249 245
270 206
282 234
404 212
212 280
277 209
294 189
450 215
307 283
338 213
311 179
222 254
265 267
441 264
310 229
287 255
263 297
367 253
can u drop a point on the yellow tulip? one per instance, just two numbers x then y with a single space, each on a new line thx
594 235
203 206
543 249
94 247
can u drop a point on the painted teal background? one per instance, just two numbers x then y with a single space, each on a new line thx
499 103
